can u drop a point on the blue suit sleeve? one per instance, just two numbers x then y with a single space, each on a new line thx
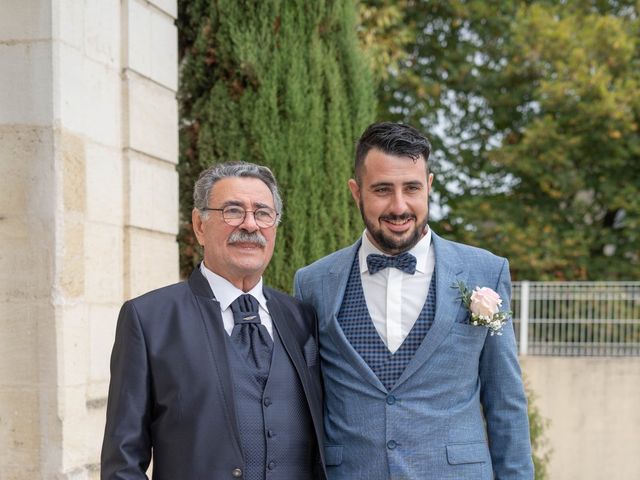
503 398
297 287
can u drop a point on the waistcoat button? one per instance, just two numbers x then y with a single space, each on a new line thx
236 473
271 465
267 402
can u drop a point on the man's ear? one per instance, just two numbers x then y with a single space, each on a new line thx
355 190
196 221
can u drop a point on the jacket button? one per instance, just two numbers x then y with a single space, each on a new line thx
270 433
391 400
391 444
271 465
236 473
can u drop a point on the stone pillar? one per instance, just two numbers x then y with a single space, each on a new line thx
150 81
88 212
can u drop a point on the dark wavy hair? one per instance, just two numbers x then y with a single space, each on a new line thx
391 138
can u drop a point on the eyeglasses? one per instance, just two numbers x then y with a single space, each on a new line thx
233 215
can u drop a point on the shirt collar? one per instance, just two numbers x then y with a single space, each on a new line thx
225 292
420 250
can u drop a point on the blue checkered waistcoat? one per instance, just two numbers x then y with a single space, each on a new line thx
356 323
458 409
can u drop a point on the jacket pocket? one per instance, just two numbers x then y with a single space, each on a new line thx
333 455
460 453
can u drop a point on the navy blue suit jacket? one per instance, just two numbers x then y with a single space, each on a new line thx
171 389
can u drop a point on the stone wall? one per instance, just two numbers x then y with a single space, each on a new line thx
88 212
593 407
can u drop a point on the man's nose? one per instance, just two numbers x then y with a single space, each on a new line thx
249 223
398 204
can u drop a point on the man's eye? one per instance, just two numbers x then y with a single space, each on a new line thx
264 215
234 211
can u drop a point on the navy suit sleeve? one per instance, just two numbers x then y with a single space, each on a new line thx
503 398
126 449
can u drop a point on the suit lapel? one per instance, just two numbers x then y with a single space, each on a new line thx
333 292
289 342
449 270
212 321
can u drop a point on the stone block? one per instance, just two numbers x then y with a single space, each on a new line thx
153 118
19 342
97 391
72 353
26 216
104 187
19 433
152 44
138 40
68 22
26 260
103 262
153 194
168 6
71 269
152 261
95 422
25 89
75 433
87 97
26 20
102 31
102 331
18 147
71 148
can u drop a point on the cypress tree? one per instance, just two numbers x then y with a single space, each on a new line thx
280 83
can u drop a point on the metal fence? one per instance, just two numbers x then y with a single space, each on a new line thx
577 318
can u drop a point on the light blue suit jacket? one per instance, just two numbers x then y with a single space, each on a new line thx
431 425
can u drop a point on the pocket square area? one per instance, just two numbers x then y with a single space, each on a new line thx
464 317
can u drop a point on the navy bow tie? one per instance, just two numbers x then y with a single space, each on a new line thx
405 262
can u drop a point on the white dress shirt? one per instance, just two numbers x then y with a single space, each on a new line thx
225 293
395 298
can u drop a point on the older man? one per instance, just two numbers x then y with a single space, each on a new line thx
416 387
218 377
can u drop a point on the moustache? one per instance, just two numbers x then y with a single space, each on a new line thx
240 236
403 217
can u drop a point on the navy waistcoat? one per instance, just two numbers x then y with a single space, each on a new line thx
355 321
276 430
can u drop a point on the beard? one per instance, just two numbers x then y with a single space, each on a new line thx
389 243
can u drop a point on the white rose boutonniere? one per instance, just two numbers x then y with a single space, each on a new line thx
484 305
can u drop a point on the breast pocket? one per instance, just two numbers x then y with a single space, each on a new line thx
458 355
477 332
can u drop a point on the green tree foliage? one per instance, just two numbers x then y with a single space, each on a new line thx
539 442
533 108
283 84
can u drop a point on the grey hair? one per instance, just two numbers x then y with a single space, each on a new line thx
208 178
